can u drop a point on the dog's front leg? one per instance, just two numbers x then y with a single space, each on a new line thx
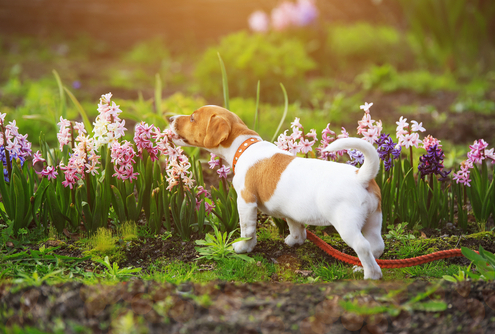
247 215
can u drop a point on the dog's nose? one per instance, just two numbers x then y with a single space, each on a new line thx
171 119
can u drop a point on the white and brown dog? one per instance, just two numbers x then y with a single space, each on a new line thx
304 191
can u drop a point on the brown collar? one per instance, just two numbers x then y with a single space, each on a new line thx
243 147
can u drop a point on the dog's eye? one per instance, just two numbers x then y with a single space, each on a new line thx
192 118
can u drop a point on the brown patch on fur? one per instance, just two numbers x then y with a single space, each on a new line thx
237 130
375 189
357 171
211 126
262 178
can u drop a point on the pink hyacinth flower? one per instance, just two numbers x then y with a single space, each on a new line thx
50 172
223 171
214 162
259 21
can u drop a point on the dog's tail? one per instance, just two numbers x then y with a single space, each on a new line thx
371 164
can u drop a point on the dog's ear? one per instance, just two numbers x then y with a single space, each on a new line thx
217 131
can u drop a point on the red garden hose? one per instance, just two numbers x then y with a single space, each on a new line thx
383 263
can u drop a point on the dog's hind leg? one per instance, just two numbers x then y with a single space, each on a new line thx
297 233
248 216
351 234
372 231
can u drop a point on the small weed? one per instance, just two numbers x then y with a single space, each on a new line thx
6 233
113 272
34 279
268 232
455 278
484 261
128 231
398 232
102 242
390 306
219 246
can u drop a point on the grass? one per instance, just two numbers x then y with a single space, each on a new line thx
36 266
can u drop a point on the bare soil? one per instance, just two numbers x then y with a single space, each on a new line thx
266 307
247 308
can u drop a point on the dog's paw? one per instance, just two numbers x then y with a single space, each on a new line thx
374 273
357 269
291 240
244 246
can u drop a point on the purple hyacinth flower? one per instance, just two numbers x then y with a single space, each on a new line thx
432 163
387 150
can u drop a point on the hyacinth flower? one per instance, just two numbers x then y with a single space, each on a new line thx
477 154
286 15
463 175
142 138
431 163
479 186
83 159
367 127
259 21
214 161
108 127
64 135
223 172
357 157
388 151
122 156
201 196
178 165
408 136
19 203
49 171
327 137
13 146
298 141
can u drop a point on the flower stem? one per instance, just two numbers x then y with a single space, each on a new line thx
7 154
411 156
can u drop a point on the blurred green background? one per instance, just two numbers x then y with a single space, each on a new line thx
428 60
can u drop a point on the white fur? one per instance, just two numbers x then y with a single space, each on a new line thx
315 192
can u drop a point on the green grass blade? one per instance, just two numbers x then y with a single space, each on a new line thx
80 109
63 104
225 83
286 108
257 111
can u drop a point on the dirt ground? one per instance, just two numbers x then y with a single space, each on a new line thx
267 307
221 307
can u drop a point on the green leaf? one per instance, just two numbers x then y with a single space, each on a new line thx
490 258
57 218
286 108
225 83
21 203
118 204
430 306
38 196
132 212
4 191
256 111
80 109
63 104
449 278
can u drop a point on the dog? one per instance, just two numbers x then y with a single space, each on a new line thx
303 191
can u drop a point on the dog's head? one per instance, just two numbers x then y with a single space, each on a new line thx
208 127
